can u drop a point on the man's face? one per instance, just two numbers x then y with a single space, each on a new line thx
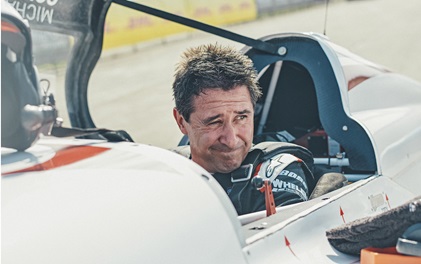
220 128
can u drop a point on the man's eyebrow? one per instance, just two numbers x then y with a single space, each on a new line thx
245 111
211 118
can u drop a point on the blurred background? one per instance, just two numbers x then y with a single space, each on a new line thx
130 87
130 27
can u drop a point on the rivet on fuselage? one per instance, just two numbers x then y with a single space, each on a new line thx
282 51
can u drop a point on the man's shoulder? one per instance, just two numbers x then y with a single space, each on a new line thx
270 150
272 167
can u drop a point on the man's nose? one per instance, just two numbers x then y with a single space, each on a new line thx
229 135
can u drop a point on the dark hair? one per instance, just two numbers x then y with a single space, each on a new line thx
212 66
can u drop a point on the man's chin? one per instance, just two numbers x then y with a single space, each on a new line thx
226 162
227 167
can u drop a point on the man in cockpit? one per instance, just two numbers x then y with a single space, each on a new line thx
215 91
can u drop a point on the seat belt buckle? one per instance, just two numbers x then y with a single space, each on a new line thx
242 174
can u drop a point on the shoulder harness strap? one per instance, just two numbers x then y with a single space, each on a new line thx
265 150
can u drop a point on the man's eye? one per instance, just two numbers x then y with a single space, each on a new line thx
216 122
242 117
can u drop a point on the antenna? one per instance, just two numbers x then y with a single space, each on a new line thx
324 30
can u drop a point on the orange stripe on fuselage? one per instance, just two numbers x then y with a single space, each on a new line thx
6 26
64 157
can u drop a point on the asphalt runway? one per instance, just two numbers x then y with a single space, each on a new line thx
131 87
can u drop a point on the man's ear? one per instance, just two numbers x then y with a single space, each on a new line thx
180 121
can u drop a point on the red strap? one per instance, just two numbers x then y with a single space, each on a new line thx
270 201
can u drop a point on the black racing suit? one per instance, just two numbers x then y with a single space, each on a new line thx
291 178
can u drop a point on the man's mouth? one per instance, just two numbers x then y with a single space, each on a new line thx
225 150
